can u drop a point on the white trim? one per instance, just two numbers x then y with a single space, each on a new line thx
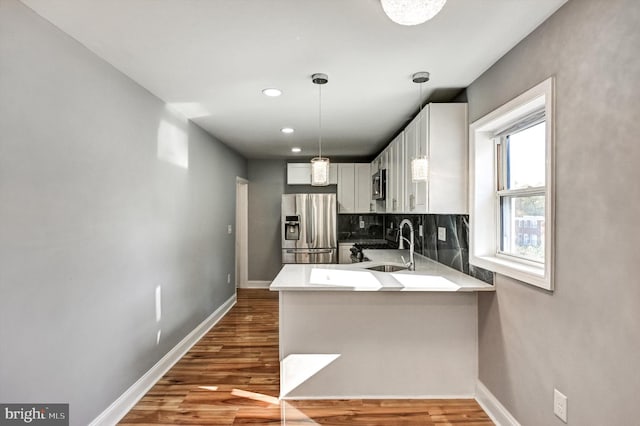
121 406
483 216
494 409
241 269
323 397
255 284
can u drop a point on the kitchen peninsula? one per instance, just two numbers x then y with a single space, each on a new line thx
354 331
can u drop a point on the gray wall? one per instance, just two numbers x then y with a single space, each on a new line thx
266 186
585 337
94 215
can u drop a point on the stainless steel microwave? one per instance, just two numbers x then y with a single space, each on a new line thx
378 185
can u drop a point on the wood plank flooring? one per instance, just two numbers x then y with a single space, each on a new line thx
231 377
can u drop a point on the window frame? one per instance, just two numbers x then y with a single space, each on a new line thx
484 200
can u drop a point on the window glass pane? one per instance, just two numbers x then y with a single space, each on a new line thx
522 226
526 157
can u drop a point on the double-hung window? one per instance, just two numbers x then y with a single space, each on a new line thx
520 192
512 175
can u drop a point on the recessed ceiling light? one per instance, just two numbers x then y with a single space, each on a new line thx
296 149
272 92
287 130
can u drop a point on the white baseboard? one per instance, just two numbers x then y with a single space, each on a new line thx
121 406
494 409
255 284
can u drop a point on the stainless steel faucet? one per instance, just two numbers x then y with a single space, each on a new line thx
411 265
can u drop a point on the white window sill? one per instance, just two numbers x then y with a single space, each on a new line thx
525 272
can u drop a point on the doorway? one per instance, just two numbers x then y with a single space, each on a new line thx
242 231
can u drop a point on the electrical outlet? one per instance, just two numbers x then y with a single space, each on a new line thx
442 233
362 224
228 278
560 405
229 229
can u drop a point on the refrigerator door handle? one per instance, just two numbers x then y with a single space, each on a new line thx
313 220
308 218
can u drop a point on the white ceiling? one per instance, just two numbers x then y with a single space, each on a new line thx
210 59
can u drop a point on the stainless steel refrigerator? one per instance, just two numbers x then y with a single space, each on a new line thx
309 228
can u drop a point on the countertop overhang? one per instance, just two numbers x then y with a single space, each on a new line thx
428 276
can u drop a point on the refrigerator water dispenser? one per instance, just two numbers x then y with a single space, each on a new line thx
292 228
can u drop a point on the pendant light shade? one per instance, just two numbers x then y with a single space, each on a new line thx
319 164
319 171
411 12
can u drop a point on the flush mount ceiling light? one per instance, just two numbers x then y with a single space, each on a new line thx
420 164
319 164
272 92
411 12
287 130
296 149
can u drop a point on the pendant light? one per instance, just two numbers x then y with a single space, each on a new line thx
420 164
411 12
319 164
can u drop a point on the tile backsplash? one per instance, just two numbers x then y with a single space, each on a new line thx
349 227
452 251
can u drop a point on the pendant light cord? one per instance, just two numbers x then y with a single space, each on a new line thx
420 111
320 120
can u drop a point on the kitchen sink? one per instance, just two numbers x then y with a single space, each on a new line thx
387 268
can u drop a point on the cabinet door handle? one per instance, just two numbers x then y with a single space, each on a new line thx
412 202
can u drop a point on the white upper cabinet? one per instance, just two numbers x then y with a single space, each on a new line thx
380 163
354 188
448 159
346 188
415 145
300 174
439 132
392 161
395 175
363 187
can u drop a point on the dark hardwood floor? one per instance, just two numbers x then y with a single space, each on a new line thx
231 377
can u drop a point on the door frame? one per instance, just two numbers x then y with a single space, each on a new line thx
242 232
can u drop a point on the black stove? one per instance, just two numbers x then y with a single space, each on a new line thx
375 245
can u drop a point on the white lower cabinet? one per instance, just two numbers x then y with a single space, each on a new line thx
344 252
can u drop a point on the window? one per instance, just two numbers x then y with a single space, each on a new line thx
512 188
521 184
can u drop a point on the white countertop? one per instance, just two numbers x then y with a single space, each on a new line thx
428 276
